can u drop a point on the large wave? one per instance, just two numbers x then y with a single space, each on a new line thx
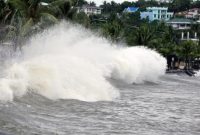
70 62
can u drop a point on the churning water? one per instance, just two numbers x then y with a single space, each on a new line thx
68 62
70 81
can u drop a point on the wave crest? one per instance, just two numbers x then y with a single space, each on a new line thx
68 62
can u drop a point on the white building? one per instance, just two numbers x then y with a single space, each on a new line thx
156 13
181 23
89 10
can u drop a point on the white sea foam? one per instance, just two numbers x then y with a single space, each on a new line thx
138 64
69 62
197 74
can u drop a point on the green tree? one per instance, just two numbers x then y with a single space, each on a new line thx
111 7
113 28
143 4
180 5
29 16
144 35
126 4
79 3
187 50
82 19
5 12
131 19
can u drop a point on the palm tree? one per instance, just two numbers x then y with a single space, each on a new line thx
112 30
187 50
5 12
82 19
144 35
28 16
30 12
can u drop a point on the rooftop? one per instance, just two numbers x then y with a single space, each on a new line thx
180 20
161 8
131 9
88 6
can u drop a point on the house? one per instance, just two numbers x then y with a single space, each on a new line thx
193 13
156 13
130 9
185 36
89 10
180 23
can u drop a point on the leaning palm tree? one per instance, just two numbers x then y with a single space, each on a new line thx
5 12
29 16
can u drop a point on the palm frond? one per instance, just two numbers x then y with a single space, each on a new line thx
26 27
48 17
21 5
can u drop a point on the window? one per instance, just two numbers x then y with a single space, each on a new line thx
154 15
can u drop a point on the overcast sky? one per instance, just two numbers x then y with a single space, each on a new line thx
98 2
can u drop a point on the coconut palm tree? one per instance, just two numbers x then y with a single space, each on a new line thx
28 16
112 30
144 35
187 51
30 12
5 12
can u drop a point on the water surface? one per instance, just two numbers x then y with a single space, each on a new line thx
170 106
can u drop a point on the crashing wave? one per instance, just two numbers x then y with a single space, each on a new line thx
70 62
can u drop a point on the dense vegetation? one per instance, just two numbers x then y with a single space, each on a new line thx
21 18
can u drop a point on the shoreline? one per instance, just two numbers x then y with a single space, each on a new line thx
189 72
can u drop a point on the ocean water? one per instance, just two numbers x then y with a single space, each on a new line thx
68 80
169 107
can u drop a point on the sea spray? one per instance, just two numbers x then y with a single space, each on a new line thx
138 64
70 62
197 74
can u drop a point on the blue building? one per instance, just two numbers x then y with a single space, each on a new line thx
157 13
130 9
